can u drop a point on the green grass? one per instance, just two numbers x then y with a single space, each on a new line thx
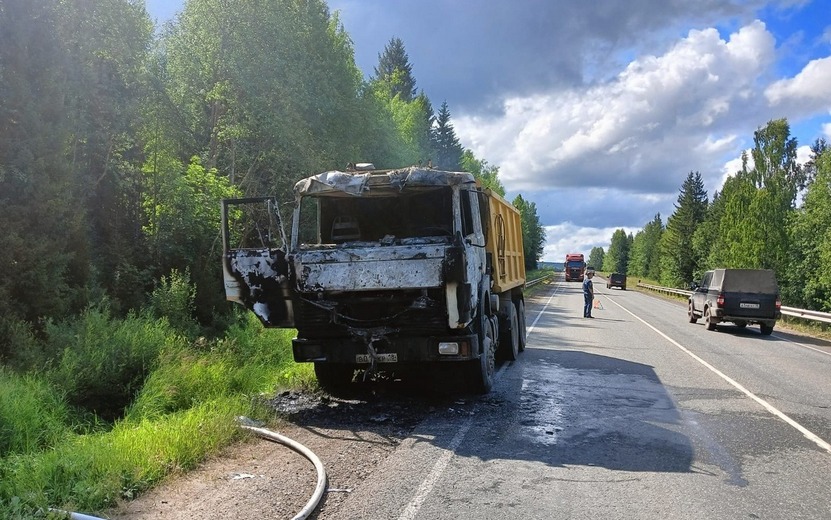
183 397
532 275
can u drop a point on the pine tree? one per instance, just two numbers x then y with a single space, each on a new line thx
533 233
448 151
394 68
644 256
677 262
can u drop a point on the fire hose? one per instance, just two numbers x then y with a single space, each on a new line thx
251 425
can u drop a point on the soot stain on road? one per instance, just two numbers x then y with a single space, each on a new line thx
583 409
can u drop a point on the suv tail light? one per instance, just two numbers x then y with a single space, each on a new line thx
720 300
778 304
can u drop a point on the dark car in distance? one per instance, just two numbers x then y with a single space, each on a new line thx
616 280
740 296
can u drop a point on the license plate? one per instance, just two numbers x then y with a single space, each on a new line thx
744 305
380 358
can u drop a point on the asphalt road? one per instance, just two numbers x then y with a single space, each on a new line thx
636 414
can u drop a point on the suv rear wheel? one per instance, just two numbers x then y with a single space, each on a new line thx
708 319
767 330
690 314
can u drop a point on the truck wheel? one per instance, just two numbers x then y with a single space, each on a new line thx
333 377
483 369
520 318
691 314
767 330
509 336
708 319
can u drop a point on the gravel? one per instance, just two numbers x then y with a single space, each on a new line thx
258 478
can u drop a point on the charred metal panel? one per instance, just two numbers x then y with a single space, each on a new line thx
361 183
370 268
257 279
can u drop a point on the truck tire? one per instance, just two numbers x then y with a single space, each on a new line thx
708 319
334 377
482 370
509 335
520 317
767 330
691 314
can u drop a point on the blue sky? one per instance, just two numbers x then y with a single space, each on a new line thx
597 111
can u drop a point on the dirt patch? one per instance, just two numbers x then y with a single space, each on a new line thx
262 479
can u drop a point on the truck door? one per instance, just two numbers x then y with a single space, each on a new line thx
254 263
474 238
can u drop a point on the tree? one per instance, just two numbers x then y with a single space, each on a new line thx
448 151
596 257
808 282
677 264
36 194
70 84
533 233
486 174
706 237
616 258
183 223
644 257
395 70
758 203
810 167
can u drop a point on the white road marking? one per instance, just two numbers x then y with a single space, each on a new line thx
809 347
547 303
769 407
438 468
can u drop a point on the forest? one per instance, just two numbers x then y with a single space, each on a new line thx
120 360
118 139
774 213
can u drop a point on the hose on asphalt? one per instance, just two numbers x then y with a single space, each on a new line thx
320 488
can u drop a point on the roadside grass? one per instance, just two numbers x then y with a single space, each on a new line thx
534 274
182 398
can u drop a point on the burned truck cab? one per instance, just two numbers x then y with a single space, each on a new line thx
382 270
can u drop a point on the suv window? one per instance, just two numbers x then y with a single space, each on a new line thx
708 277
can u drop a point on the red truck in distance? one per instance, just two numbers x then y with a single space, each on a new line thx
575 267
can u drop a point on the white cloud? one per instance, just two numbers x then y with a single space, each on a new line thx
568 237
807 92
660 118
803 154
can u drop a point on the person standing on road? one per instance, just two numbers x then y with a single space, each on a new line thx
588 294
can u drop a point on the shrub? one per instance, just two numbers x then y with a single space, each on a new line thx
33 416
173 300
104 361
18 346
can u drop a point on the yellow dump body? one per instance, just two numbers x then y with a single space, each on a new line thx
505 244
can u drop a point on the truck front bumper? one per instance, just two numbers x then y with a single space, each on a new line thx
388 350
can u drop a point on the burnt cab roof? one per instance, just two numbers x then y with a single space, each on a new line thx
745 280
362 183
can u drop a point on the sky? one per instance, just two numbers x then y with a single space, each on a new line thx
597 111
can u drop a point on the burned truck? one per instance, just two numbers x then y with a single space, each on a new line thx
402 271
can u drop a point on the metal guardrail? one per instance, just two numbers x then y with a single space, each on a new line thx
535 281
805 314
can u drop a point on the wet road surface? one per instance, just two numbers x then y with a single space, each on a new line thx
633 414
